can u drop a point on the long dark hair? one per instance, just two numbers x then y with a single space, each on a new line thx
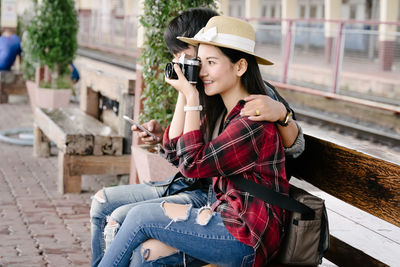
214 106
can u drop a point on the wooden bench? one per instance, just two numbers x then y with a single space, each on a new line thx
90 140
86 146
11 83
343 171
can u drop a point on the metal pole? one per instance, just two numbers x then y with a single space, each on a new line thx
89 26
286 51
112 39
126 27
338 55
100 29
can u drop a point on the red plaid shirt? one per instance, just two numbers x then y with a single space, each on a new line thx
253 150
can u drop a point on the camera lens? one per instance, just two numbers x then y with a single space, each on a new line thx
169 68
170 72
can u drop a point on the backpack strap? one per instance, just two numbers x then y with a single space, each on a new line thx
272 197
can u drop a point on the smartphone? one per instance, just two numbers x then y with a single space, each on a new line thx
140 127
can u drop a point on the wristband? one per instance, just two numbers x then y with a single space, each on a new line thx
287 119
193 108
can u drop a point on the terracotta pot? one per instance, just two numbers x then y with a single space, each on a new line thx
47 98
151 166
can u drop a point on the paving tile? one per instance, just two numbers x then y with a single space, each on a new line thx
42 241
18 228
15 240
5 231
79 259
8 251
57 260
61 249
65 237
23 261
30 264
27 248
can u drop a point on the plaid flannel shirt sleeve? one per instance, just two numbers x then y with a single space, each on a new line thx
234 151
169 148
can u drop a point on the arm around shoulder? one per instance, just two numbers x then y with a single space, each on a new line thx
297 147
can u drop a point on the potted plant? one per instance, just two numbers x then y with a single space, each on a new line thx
158 97
49 44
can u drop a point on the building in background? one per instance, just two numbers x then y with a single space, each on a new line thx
333 34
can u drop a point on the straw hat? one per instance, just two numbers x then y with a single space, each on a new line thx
230 33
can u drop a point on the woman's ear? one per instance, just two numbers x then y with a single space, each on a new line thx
241 66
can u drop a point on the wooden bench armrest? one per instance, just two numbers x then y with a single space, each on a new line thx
365 181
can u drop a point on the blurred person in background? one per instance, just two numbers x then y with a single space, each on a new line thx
10 48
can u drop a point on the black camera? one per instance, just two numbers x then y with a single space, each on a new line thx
190 68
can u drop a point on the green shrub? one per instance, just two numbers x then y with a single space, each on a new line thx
52 34
28 63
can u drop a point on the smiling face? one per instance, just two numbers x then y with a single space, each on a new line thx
217 72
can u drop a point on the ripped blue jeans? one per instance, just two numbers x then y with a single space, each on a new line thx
119 200
197 242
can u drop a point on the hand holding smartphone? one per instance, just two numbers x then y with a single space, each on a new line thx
140 127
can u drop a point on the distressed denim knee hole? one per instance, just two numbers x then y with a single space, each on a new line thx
110 231
99 196
111 222
176 212
204 215
153 249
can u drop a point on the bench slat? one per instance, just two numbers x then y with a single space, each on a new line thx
63 132
368 183
106 140
99 164
76 133
343 254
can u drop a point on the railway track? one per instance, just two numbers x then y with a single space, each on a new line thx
351 128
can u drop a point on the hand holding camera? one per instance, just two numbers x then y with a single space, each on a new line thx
189 67
183 75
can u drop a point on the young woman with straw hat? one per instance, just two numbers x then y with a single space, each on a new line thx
236 229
